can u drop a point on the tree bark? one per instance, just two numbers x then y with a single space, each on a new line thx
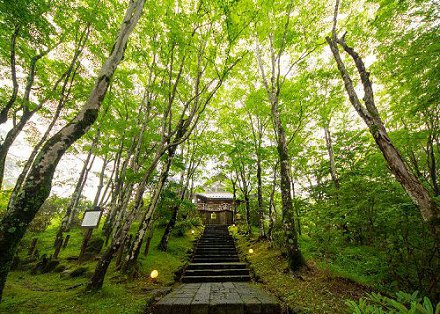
294 256
147 218
69 77
430 211
331 156
26 113
11 101
163 245
272 204
36 189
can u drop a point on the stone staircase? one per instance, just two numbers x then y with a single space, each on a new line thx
216 282
215 259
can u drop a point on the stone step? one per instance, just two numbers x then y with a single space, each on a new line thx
217 260
237 278
210 247
219 298
201 241
216 272
209 244
216 266
216 239
215 251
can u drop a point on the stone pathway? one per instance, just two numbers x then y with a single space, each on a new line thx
219 298
215 258
216 282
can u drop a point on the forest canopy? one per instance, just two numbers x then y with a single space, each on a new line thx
321 117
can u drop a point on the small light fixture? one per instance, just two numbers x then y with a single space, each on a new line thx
251 251
192 231
154 274
233 225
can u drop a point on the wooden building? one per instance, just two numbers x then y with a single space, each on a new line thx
216 208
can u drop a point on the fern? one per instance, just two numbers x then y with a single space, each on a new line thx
403 303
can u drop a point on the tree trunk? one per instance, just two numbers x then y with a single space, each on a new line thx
37 187
147 218
296 208
247 205
149 238
163 245
101 182
260 199
432 166
294 256
430 211
69 76
331 156
71 209
272 205
11 101
9 140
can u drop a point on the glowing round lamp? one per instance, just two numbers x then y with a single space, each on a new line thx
233 225
251 251
154 274
192 231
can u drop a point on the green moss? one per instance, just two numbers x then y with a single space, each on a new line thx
48 293
313 289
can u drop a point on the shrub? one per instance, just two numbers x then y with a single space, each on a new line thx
52 208
404 303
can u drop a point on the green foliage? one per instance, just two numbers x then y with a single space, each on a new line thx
52 208
404 303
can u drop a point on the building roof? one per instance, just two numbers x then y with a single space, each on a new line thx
216 195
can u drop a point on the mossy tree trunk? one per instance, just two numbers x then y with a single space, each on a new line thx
37 187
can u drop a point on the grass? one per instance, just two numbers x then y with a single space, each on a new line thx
316 289
49 293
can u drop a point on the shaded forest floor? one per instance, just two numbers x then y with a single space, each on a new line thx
51 293
322 288
314 289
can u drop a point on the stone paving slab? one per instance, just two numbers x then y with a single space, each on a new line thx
218 298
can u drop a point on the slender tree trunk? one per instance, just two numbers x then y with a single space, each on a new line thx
36 189
234 196
101 182
432 166
149 238
69 77
11 101
329 145
260 199
272 205
163 245
294 256
247 204
9 140
430 211
26 113
296 208
147 218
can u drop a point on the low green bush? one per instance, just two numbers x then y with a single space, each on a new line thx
404 303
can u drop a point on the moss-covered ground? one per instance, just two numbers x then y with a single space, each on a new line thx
49 293
318 288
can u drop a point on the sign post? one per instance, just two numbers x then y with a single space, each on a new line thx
90 221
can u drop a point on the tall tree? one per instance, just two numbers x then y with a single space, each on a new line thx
36 188
368 111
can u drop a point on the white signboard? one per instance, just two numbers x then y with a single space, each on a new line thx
91 219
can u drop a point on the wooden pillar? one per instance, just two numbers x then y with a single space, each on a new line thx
86 240
66 241
31 250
